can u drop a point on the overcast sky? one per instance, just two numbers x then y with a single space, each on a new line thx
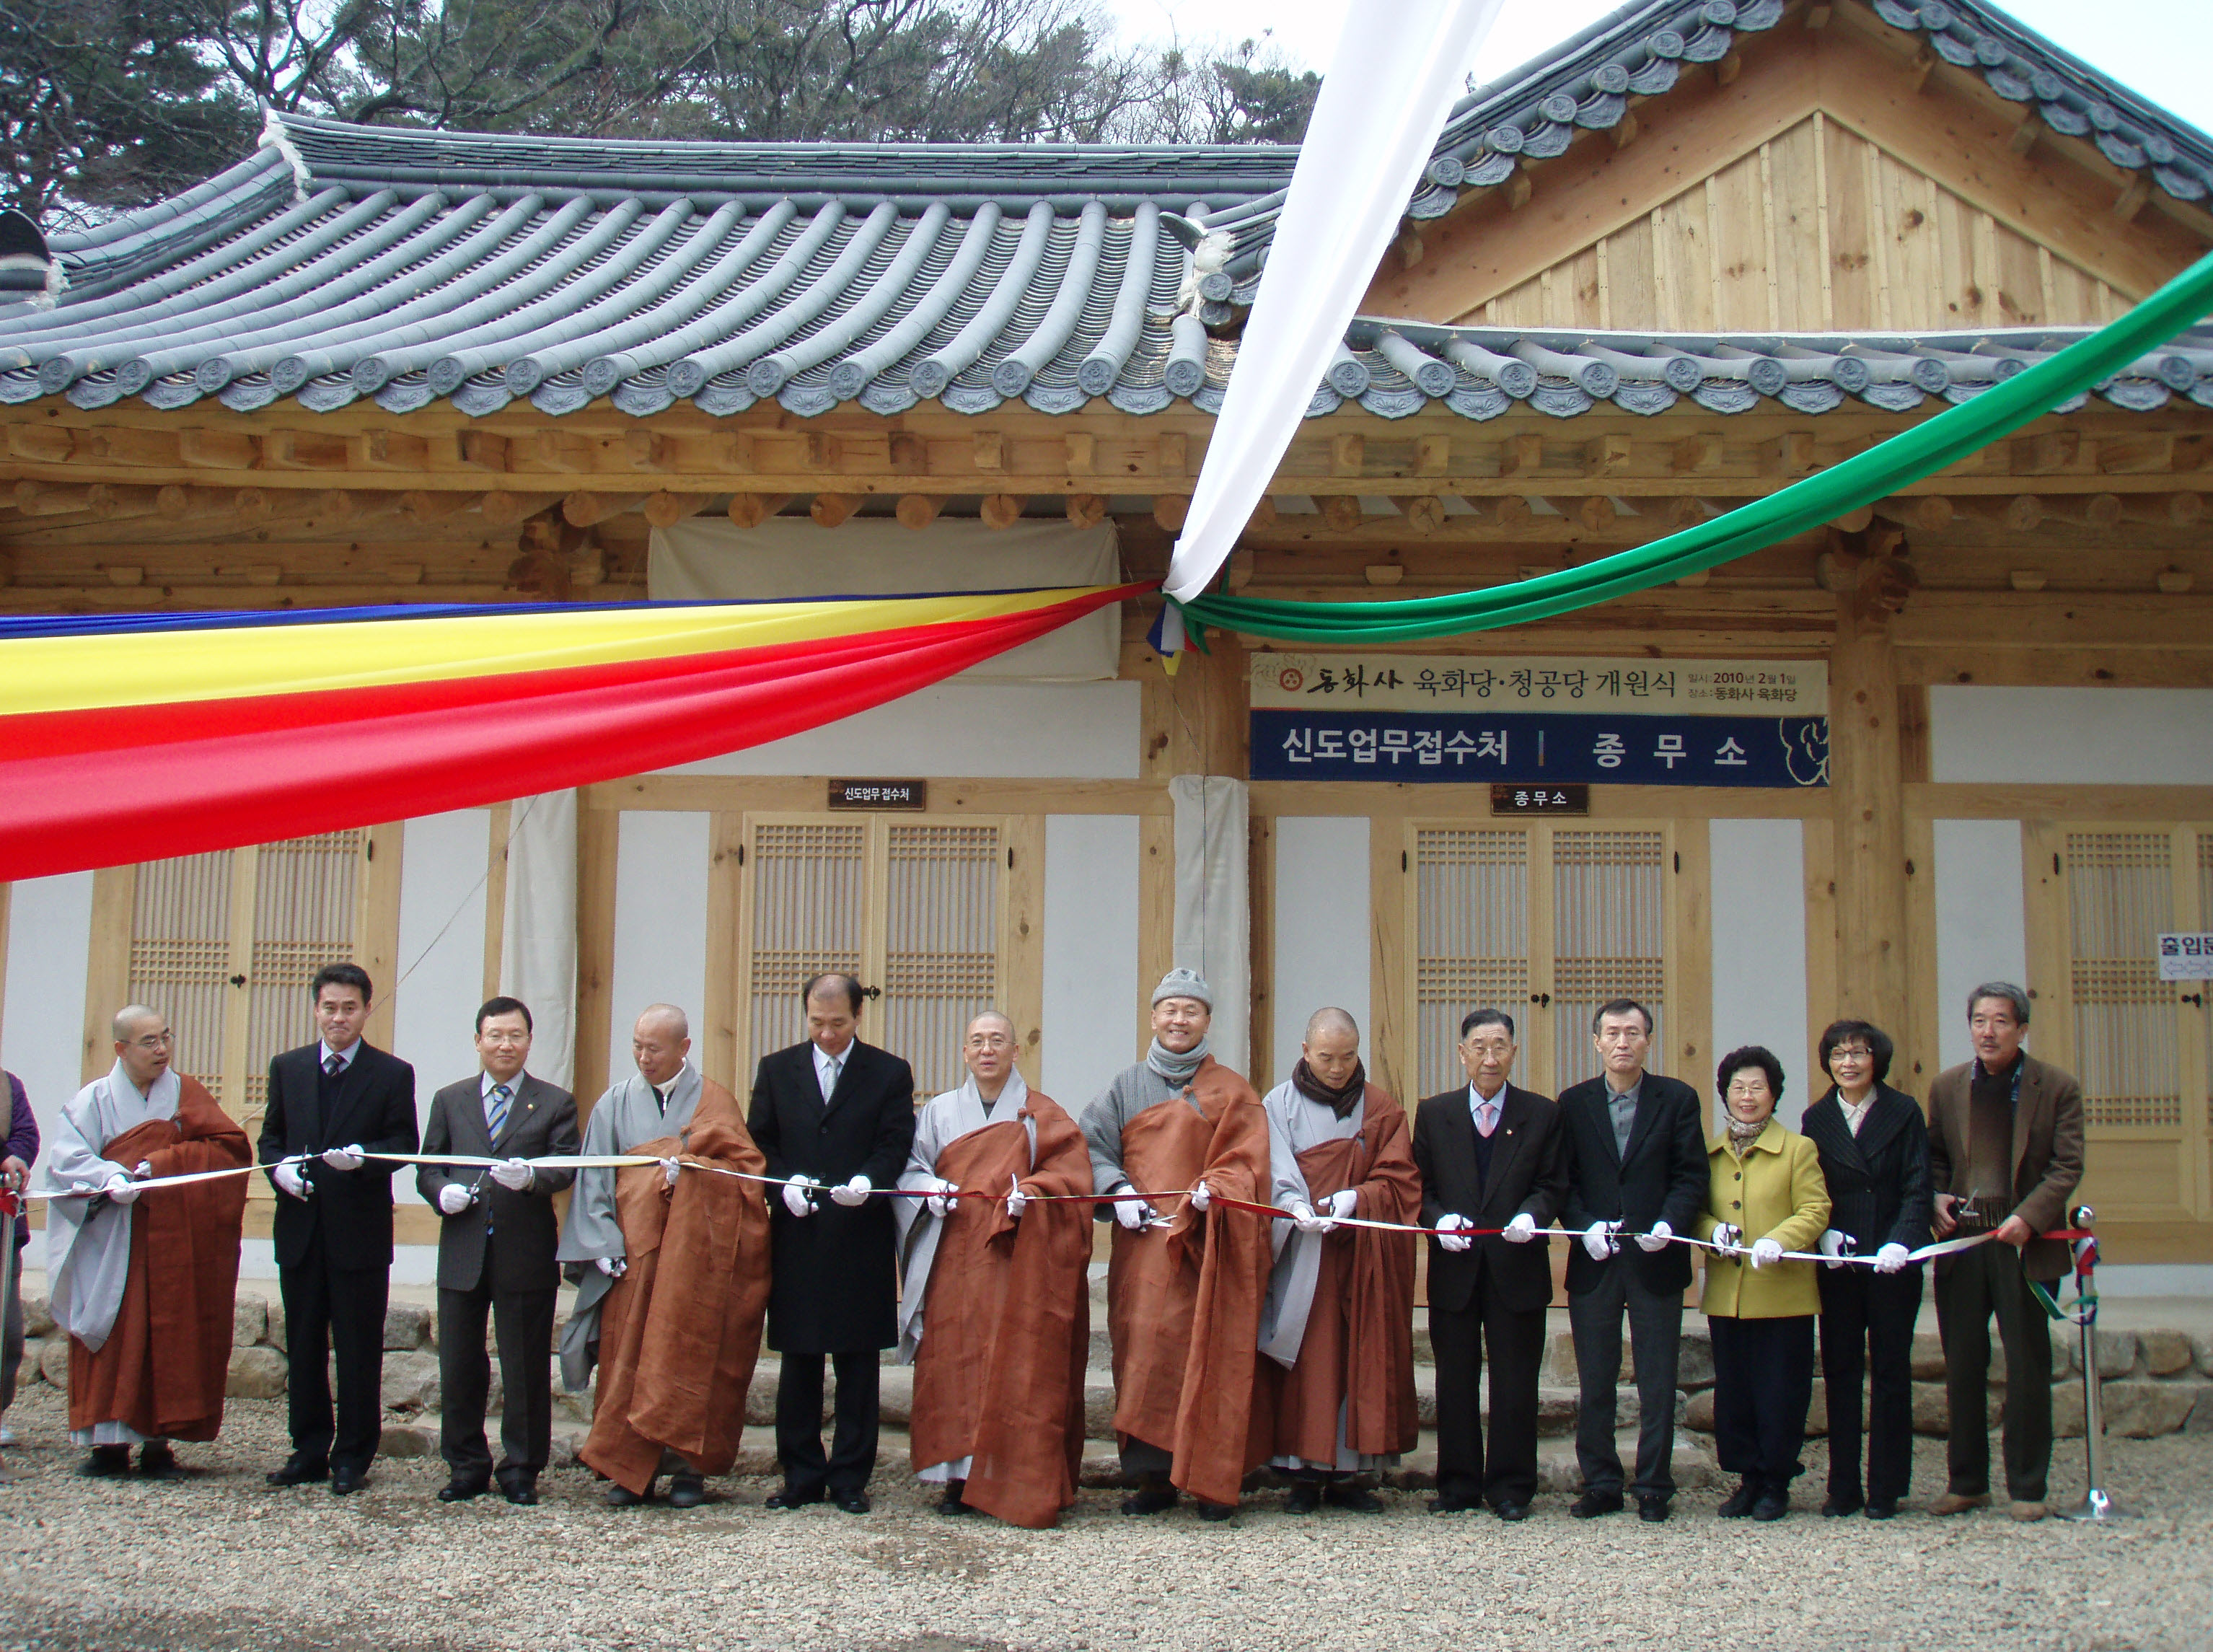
2159 48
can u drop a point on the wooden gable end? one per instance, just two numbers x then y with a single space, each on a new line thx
1823 183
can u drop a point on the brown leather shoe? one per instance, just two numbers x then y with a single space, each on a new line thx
1958 1502
2026 1511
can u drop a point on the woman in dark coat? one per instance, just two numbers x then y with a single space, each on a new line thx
1874 1143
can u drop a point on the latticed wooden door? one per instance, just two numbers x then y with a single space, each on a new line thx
1545 922
226 943
914 908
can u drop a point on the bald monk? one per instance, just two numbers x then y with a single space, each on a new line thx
671 1265
995 1316
145 1291
1183 1287
1337 1384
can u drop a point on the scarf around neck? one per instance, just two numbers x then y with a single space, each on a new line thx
1741 1136
1176 1068
1339 1101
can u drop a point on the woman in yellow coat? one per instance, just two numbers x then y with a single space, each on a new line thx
1764 1196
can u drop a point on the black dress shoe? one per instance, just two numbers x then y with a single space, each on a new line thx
106 1462
1653 1511
853 1502
345 1482
1739 1502
1506 1508
298 1471
1593 1503
1216 1511
1837 1507
1305 1496
1358 1498
1452 1506
621 1496
523 1494
952 1502
158 1462
457 1489
1773 1504
1881 1508
1149 1500
686 1491
789 1498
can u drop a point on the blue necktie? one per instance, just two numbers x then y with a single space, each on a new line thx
497 1113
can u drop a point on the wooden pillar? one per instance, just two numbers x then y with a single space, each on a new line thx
1866 794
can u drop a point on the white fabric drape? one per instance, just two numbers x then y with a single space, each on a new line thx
538 935
1391 83
1213 904
710 559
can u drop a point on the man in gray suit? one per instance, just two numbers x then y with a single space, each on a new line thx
496 1254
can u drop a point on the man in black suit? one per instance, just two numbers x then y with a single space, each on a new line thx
332 1105
835 1115
1490 1157
496 1246
1637 1169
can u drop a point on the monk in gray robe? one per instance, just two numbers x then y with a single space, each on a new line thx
670 1261
144 1291
994 1315
1336 1386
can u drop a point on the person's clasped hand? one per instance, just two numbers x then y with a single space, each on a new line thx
346 1158
1132 1213
1450 1235
121 1189
940 1201
1201 1196
287 1176
1017 1200
1599 1239
1521 1230
1304 1219
797 1196
1727 1236
1833 1247
854 1192
1766 1252
454 1198
515 1174
613 1266
1892 1257
1656 1239
670 1169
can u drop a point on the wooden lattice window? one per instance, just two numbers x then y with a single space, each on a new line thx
1471 921
1609 927
2120 895
181 950
913 907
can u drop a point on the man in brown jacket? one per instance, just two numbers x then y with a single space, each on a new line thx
2005 1151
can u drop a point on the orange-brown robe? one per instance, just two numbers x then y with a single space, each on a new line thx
1357 1350
1183 1302
1006 1316
164 1367
680 1330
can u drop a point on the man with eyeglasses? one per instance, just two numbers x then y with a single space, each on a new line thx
145 1291
496 1243
995 1318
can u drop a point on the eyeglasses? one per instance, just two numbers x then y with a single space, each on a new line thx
991 1041
502 1039
1851 1053
154 1041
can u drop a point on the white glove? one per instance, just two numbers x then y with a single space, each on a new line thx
1891 1258
1453 1239
1133 1213
940 1201
1729 1237
795 1197
121 1190
1599 1241
1017 1200
345 1158
1764 1250
515 1176
1656 1240
853 1194
1521 1230
670 1169
288 1177
1304 1219
145 1172
1833 1246
1200 1199
454 1198
1344 1203
613 1266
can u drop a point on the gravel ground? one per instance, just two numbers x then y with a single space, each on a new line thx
222 1561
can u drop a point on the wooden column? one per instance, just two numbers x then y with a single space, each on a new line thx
1867 794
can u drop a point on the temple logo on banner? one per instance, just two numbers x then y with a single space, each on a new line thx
1459 720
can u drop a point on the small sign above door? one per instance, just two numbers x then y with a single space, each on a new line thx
880 793
1539 800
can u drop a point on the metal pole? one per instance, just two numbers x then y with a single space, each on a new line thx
2096 1505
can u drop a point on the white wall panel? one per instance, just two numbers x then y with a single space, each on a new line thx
49 953
1759 953
660 923
2072 736
1091 986
1982 922
1323 935
443 863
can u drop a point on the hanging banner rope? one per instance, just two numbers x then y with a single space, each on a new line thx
1863 479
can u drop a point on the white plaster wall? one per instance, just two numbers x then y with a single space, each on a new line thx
1091 986
1982 923
1323 935
1760 952
1069 731
2072 736
661 923
49 953
442 865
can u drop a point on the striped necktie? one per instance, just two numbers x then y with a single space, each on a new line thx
495 1109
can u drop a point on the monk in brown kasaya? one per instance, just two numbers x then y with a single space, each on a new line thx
1337 1378
144 1279
671 1263
995 1314
1185 1281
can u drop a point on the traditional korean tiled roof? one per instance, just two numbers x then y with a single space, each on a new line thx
340 262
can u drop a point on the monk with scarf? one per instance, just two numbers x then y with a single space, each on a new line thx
1183 1287
994 1314
1337 1388
671 1265
145 1291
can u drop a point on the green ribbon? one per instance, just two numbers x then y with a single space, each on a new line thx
1859 480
